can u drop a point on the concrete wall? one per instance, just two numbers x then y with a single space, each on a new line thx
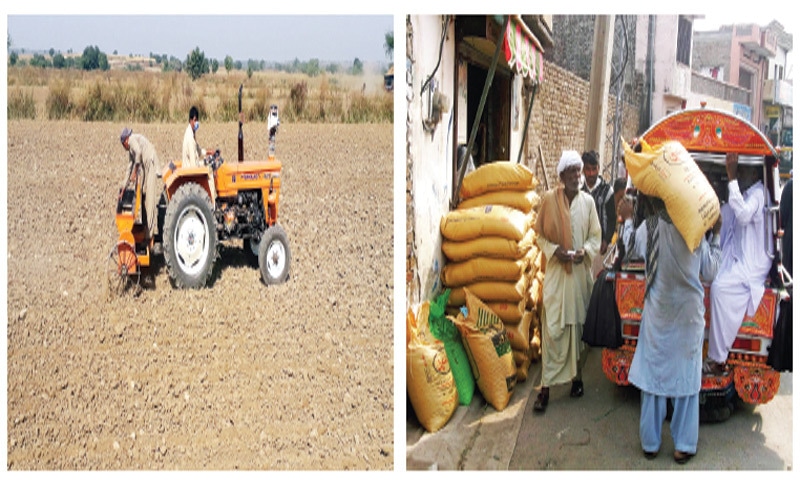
665 96
573 37
710 49
429 154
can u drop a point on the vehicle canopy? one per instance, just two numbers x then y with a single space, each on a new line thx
708 135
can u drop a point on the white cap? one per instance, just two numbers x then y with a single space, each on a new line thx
569 158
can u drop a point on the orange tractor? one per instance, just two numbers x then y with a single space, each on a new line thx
242 203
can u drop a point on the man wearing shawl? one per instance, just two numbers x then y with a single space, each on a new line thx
668 359
569 235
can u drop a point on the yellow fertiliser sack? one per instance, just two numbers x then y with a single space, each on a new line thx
491 291
535 351
519 334
520 356
429 380
509 312
480 269
489 247
534 293
522 200
489 351
488 221
522 370
495 176
671 174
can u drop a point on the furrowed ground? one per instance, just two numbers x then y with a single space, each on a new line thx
235 376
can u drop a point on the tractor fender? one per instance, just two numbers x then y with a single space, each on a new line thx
198 175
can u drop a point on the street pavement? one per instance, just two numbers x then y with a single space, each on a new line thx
599 431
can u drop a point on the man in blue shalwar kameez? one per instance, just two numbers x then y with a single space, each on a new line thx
668 360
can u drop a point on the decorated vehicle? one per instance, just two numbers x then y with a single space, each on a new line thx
708 135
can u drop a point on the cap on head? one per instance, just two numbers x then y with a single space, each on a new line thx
569 158
126 132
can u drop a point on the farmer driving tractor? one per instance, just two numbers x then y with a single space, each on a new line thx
193 155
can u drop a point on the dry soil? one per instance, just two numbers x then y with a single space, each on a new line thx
238 375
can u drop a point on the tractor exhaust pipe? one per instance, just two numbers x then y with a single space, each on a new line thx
241 137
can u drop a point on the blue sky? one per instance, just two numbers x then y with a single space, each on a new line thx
258 37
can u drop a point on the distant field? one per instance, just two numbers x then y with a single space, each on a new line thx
155 96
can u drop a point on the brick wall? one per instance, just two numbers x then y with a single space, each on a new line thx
559 120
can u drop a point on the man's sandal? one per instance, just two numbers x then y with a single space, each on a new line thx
682 457
541 402
577 389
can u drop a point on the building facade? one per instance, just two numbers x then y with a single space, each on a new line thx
742 68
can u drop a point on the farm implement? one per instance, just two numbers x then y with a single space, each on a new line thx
205 206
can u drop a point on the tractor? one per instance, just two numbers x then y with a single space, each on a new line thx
241 203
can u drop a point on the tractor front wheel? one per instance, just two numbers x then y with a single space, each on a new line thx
190 237
274 256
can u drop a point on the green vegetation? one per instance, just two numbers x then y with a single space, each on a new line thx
388 45
196 64
358 67
94 59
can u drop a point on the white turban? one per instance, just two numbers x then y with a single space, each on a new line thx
569 158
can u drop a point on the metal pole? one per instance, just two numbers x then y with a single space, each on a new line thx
486 85
527 121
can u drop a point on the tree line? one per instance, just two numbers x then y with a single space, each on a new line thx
196 64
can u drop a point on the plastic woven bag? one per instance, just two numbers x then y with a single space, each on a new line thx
446 331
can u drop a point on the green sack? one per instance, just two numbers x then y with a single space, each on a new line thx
445 330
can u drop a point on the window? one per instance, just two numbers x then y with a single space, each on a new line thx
684 53
745 79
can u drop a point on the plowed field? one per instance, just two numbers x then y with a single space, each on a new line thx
234 376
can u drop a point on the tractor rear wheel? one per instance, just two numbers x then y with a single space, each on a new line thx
190 237
274 256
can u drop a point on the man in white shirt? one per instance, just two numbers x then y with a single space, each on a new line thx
746 261
193 155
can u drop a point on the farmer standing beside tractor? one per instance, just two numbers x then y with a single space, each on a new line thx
143 154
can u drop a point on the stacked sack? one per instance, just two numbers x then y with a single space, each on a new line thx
429 377
490 246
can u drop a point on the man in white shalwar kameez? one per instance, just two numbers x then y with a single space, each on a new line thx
746 261
668 359
193 155
569 235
